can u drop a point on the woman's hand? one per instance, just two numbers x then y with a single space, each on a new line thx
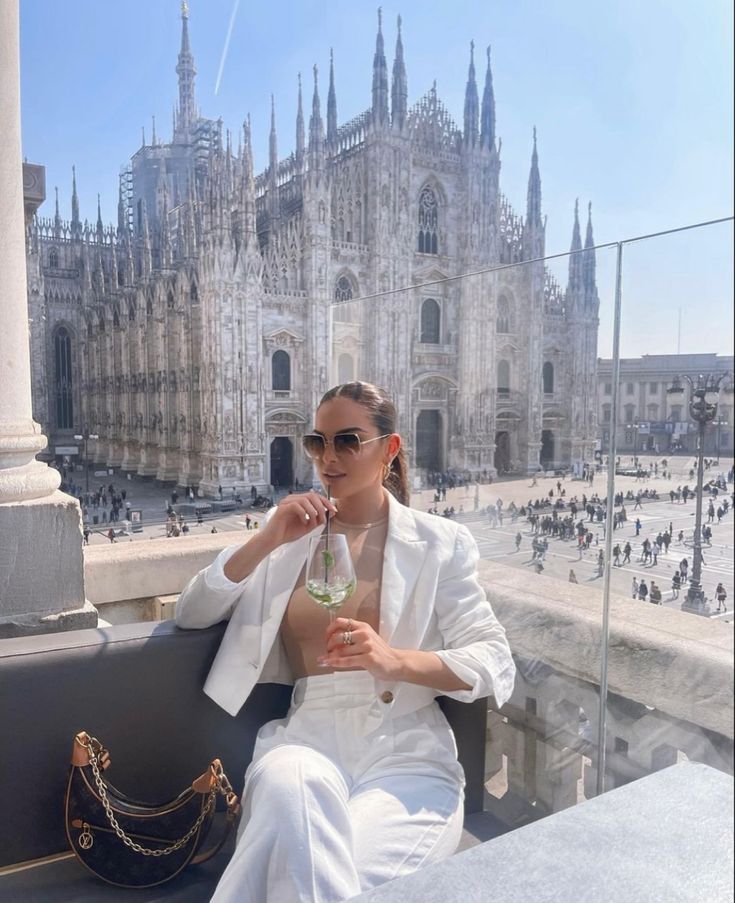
367 651
296 515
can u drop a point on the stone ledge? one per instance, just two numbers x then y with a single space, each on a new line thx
142 570
32 624
672 661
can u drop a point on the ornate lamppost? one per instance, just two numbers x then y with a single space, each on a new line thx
85 436
705 394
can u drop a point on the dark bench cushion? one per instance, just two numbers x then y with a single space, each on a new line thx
138 688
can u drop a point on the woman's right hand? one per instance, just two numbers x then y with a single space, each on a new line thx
296 515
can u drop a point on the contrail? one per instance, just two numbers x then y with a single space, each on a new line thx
227 45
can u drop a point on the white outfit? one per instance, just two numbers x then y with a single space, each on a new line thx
361 777
352 811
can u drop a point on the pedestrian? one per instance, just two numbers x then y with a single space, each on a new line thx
600 563
635 588
87 533
676 585
519 539
642 590
111 535
616 555
638 526
248 522
683 569
572 576
655 596
721 595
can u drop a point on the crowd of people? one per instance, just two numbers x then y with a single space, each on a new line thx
582 519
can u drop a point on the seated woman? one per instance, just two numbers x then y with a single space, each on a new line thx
360 783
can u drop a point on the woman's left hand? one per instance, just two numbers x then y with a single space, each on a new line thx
367 650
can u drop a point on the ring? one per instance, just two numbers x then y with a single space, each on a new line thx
347 638
307 517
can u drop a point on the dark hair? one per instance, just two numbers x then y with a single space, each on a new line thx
383 415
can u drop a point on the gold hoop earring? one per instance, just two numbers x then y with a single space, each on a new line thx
386 471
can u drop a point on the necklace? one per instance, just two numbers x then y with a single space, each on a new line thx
375 523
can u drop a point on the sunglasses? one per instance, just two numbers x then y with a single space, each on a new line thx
344 444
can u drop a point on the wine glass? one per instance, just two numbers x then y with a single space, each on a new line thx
330 575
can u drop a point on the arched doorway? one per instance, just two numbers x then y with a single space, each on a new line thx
547 448
281 462
429 441
502 451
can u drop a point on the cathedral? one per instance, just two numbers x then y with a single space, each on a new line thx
195 338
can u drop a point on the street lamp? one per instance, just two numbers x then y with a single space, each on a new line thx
703 400
85 437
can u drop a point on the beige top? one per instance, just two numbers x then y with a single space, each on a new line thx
305 622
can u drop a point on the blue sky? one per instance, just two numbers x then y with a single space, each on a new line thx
632 101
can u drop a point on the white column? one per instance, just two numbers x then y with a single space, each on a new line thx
21 476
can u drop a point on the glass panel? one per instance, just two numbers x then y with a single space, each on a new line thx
666 704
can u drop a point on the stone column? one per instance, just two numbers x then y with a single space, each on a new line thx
41 565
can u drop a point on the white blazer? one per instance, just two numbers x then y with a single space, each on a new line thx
430 599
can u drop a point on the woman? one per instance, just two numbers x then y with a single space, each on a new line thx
360 783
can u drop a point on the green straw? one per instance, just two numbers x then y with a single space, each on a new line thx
326 557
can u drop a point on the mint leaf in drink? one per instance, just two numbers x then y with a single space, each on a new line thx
327 558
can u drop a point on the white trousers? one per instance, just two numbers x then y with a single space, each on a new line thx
328 812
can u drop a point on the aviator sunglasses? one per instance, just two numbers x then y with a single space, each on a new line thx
343 443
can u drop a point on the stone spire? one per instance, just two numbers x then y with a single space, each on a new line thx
186 72
274 207
316 126
122 219
154 139
76 223
248 188
273 143
471 104
247 151
574 286
331 105
487 137
589 263
399 90
300 135
57 215
380 79
533 204
100 226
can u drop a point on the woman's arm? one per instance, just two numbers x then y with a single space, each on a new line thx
212 595
475 661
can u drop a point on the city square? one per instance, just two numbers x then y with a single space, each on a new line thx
497 542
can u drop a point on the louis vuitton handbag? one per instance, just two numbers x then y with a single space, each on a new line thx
133 844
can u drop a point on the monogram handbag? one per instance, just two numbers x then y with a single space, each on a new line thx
133 844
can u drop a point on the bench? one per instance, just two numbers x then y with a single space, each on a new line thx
138 688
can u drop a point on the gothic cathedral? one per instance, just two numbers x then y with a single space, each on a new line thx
196 338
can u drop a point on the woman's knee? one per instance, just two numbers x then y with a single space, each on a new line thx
289 770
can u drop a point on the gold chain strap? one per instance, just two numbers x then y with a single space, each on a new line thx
222 785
